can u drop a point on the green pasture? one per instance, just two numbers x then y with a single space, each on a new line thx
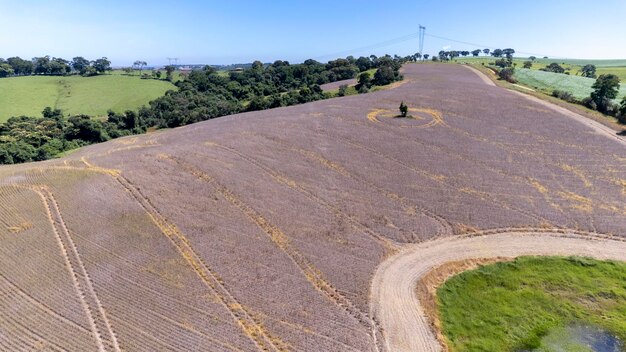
77 95
529 304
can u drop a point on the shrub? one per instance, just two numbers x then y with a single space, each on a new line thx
554 67
364 80
503 63
563 95
621 117
528 64
342 90
588 102
403 109
507 74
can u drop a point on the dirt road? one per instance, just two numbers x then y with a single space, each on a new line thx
394 301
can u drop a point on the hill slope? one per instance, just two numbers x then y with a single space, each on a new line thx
77 95
263 230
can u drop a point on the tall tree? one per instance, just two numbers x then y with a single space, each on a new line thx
20 66
41 65
476 52
169 72
486 51
508 53
59 66
6 70
588 70
80 64
101 65
605 88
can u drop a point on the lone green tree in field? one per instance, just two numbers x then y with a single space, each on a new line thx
486 51
528 64
588 70
140 65
476 52
605 88
403 109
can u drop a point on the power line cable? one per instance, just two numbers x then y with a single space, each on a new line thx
481 45
410 37
372 46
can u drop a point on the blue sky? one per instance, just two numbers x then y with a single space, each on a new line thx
221 32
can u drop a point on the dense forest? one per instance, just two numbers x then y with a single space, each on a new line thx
204 94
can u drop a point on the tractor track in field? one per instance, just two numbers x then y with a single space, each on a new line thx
100 325
388 244
282 241
249 326
444 225
440 180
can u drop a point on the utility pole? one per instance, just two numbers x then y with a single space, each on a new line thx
422 32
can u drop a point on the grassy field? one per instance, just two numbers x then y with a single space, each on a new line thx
579 87
77 95
616 67
531 302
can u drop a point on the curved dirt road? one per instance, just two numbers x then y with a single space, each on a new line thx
394 300
594 125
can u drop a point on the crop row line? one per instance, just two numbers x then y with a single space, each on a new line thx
282 241
249 326
445 226
80 278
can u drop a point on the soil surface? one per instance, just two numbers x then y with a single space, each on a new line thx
264 230
336 85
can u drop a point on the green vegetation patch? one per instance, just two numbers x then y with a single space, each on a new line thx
523 304
579 87
77 95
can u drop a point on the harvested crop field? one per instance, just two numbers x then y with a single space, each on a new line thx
263 230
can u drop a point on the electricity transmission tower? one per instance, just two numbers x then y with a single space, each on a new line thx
422 32
169 59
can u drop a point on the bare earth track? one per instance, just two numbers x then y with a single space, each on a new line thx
300 228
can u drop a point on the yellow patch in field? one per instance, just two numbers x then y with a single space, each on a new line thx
21 227
579 202
579 173
433 117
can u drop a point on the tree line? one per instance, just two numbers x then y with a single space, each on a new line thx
204 94
53 66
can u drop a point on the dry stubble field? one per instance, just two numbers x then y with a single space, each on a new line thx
263 231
